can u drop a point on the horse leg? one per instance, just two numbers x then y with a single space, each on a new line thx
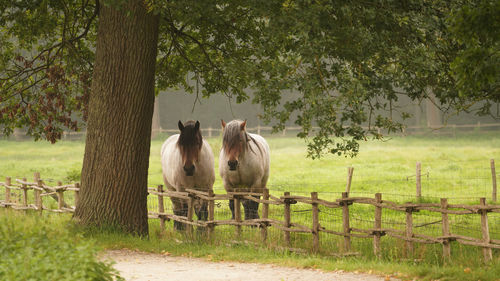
231 206
254 206
247 207
178 211
202 212
178 225
251 208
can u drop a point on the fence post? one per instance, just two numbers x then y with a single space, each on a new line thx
60 197
161 207
419 180
446 231
7 191
77 193
25 193
345 222
349 179
486 231
189 227
265 215
377 225
211 213
409 231
237 215
287 219
493 180
36 179
38 197
315 221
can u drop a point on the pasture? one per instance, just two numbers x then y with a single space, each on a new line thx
453 167
457 168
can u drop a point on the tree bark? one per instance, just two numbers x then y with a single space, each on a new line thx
115 165
156 118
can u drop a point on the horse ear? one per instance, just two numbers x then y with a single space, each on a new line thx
197 125
243 125
181 127
223 124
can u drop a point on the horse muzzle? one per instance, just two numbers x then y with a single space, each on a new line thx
232 165
189 170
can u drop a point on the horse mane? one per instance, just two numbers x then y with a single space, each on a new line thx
190 138
231 138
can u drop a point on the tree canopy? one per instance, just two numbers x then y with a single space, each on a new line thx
350 61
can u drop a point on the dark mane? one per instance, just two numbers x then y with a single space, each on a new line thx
190 139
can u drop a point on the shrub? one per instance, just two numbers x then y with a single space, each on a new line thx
33 248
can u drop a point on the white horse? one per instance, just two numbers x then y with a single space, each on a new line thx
187 162
243 164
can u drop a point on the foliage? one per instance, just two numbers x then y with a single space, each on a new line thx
476 27
36 249
46 65
348 62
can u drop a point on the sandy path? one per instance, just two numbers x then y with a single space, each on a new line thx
139 266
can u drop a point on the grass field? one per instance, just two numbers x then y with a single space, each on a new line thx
454 167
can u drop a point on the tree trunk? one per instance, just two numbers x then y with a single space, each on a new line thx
115 165
156 118
433 113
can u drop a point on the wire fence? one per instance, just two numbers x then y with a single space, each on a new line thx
300 221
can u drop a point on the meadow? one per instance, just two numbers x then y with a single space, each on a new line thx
456 167
452 167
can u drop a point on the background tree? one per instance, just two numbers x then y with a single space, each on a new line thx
349 62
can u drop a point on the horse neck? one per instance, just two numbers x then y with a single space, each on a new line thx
248 145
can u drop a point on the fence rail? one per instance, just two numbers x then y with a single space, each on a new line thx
345 203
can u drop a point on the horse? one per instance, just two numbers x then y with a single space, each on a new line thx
188 162
243 164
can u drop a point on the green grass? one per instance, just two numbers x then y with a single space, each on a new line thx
173 243
454 167
44 248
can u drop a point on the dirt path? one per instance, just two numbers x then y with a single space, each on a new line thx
139 266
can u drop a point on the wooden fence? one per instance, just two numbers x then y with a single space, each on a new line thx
286 225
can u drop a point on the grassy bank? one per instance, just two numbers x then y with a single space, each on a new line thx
58 231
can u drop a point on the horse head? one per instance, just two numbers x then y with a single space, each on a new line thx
234 141
189 143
